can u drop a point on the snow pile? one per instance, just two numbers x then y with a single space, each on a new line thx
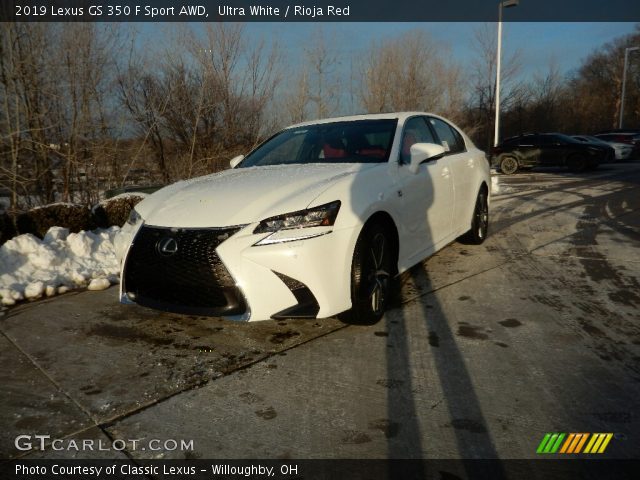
62 261
133 196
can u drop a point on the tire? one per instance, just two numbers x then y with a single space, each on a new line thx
480 222
577 164
509 165
371 276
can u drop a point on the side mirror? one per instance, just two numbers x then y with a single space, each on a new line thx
236 160
421 152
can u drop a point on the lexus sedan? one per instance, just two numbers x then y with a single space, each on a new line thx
315 222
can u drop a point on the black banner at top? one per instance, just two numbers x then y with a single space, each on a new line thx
319 10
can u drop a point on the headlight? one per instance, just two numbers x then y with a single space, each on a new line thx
322 216
134 217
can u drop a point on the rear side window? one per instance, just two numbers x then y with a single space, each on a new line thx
449 137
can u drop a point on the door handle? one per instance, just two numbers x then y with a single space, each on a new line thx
445 172
470 163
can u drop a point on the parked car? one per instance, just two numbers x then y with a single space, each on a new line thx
315 221
617 151
635 131
632 139
547 149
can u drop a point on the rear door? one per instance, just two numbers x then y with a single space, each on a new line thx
462 167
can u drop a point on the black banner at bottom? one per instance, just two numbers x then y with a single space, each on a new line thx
200 469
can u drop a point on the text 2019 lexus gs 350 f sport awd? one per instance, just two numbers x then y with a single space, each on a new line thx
314 222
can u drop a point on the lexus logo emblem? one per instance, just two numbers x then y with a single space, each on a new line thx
167 246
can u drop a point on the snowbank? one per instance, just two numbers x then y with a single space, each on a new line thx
31 268
117 198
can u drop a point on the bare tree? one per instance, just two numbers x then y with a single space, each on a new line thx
482 104
410 73
323 61
296 100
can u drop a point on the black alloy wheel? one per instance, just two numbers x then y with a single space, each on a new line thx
371 276
480 221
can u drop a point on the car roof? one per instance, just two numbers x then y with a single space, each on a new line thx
367 116
616 134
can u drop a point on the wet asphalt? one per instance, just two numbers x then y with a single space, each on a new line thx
486 349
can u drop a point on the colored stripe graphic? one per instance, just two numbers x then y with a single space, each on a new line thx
605 443
543 443
556 445
581 443
576 439
573 443
567 442
551 443
598 443
594 437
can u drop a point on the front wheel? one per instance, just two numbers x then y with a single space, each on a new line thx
371 276
480 222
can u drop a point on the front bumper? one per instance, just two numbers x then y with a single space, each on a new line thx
240 280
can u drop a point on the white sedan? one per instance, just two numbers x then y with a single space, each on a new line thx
314 222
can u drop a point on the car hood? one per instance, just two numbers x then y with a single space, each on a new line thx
242 195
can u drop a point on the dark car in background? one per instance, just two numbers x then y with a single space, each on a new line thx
635 131
630 137
547 150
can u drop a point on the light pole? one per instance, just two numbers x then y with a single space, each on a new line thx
501 5
624 80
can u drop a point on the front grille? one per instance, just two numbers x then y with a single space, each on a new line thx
186 276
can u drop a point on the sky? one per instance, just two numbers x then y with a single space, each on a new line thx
538 43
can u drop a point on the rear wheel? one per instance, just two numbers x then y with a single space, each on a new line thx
480 222
371 275
508 165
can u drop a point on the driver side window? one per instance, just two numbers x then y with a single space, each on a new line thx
415 131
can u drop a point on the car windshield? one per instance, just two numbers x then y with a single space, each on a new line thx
360 141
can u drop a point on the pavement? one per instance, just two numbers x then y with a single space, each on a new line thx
488 348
